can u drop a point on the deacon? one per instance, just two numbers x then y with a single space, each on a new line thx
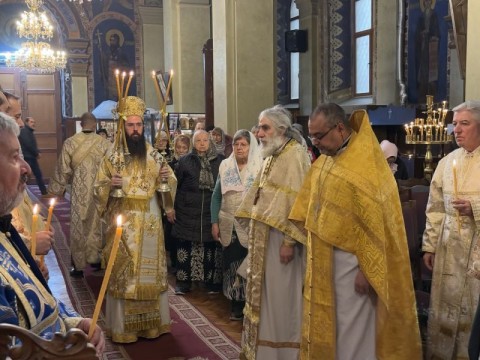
136 301
77 166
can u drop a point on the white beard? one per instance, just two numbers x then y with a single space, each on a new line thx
270 147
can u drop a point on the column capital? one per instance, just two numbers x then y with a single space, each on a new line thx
78 57
151 15
307 7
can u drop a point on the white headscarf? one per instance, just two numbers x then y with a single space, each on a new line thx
240 181
390 150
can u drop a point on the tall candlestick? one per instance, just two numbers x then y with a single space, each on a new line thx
157 90
33 247
50 213
119 92
106 278
168 91
130 76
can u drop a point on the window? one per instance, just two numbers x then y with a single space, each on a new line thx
294 57
363 35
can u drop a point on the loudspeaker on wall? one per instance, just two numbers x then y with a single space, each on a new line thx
296 41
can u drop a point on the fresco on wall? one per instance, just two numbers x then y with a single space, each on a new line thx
114 48
427 50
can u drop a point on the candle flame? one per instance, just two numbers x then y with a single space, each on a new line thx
124 74
153 74
117 72
454 163
35 209
171 72
52 202
119 220
131 73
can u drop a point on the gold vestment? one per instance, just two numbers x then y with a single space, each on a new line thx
351 202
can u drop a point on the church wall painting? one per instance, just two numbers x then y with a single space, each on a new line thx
427 50
113 48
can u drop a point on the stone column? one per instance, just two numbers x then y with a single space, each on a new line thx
78 61
153 49
310 77
472 76
243 60
186 29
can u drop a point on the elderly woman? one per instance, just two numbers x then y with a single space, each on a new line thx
223 142
198 254
236 175
161 144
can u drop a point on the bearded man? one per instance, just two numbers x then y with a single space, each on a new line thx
275 245
24 294
137 304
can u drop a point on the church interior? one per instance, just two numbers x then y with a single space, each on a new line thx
406 62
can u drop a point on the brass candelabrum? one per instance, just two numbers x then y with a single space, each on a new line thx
429 131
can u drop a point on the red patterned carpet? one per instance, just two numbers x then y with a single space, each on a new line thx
193 336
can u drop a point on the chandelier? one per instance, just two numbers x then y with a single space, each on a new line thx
35 55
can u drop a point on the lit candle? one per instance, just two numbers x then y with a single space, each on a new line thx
50 213
33 247
130 76
119 93
168 91
106 278
157 90
122 84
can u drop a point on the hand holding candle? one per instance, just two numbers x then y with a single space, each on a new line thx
33 245
106 278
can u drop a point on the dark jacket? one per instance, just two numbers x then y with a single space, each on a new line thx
192 205
28 143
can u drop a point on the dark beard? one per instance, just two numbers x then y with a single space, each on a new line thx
137 147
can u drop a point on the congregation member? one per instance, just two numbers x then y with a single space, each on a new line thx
22 215
31 152
273 306
77 166
395 163
222 141
4 105
181 146
359 301
162 145
451 232
198 254
235 176
136 300
24 294
15 109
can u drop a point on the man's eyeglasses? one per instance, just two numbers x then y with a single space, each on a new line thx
320 137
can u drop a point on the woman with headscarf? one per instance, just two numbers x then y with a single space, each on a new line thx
236 175
398 167
198 254
222 141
